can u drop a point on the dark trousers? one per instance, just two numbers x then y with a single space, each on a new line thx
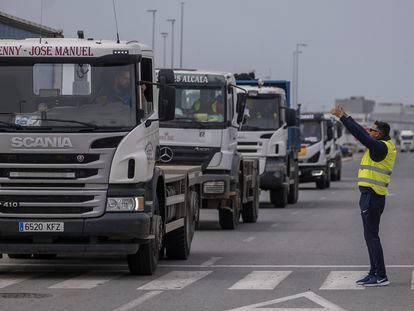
372 206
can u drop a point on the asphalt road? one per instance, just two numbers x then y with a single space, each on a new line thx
304 257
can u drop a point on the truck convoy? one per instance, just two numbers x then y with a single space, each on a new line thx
317 157
271 133
208 115
406 138
79 139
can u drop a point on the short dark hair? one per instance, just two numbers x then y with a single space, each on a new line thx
383 127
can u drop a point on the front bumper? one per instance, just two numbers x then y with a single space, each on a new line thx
112 233
308 173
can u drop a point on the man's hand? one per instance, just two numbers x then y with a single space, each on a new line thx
338 111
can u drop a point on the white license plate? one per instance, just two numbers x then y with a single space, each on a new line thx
41 226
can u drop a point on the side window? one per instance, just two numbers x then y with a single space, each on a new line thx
146 90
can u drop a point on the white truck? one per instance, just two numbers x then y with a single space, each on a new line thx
265 134
406 139
316 157
79 139
208 115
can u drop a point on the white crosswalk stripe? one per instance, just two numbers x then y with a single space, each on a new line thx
175 280
85 281
343 280
261 280
8 279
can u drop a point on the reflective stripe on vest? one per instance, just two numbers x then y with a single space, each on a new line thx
377 175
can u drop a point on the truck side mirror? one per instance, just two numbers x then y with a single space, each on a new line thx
290 117
166 96
240 106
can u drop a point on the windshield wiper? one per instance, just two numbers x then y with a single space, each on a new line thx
86 124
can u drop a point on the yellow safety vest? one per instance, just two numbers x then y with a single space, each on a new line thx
197 106
377 175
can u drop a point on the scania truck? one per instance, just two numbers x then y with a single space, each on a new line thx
271 133
79 136
208 115
406 138
316 157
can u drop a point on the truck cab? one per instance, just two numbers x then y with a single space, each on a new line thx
316 155
265 134
79 136
208 115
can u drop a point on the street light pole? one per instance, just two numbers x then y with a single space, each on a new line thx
153 27
296 62
164 57
182 34
172 21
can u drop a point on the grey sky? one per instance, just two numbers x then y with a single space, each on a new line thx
355 47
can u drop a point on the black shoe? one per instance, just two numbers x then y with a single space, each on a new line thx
377 281
364 280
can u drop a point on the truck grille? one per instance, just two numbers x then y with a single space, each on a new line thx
192 155
45 158
248 147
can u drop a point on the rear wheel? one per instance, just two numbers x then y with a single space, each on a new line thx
293 195
20 256
145 260
321 183
229 217
279 197
250 209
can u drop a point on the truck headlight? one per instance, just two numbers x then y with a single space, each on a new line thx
213 187
318 173
132 204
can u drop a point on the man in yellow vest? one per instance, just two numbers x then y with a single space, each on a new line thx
373 179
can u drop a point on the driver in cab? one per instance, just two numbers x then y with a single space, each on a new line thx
120 90
209 108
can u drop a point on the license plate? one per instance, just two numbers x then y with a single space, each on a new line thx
302 151
41 226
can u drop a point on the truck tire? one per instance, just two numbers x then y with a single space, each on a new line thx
44 256
229 217
293 195
145 260
178 242
20 256
250 209
328 178
279 197
321 183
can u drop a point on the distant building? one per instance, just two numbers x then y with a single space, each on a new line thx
357 104
12 27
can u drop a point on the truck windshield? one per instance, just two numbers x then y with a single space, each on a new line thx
262 113
310 131
199 107
65 96
407 137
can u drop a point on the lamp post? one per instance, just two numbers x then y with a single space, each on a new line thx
164 57
182 34
296 72
172 21
153 27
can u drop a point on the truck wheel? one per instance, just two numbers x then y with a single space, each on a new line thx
20 256
293 195
145 260
321 183
338 176
178 242
44 256
250 209
279 197
328 178
229 217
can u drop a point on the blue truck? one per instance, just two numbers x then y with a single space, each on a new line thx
271 133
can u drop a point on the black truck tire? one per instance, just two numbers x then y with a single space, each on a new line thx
145 260
321 183
293 195
279 197
178 242
229 217
20 256
250 209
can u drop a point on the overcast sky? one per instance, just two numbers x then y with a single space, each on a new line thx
355 47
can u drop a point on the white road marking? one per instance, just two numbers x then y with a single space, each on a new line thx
258 280
211 261
14 277
275 225
295 213
175 280
134 303
326 304
343 280
322 198
249 239
85 281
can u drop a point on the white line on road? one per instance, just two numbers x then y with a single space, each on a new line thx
134 303
259 280
175 280
295 213
11 278
85 281
343 280
211 261
322 198
275 225
249 239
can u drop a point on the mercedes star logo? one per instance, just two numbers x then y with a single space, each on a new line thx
166 154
